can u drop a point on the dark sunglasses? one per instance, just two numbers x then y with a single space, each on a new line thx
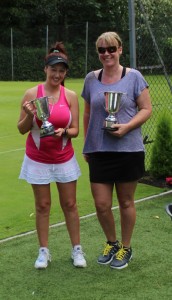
111 49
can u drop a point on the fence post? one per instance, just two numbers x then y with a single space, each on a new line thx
12 60
132 35
47 39
86 49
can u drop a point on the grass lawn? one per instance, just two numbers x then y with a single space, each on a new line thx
16 199
149 274
147 277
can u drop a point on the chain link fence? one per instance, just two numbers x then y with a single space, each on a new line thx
154 60
153 49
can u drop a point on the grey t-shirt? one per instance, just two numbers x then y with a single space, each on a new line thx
98 140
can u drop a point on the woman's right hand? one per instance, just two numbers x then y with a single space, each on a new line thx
25 122
29 108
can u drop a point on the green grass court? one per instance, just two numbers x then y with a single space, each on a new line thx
149 274
147 277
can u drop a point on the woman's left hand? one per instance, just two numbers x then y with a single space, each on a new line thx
121 130
59 132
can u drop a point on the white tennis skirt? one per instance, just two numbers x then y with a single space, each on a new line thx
39 173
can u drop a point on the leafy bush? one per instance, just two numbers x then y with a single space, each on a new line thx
161 156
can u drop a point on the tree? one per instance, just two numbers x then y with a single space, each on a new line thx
161 162
67 19
29 17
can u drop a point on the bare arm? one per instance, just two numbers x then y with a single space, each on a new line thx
144 113
27 112
86 117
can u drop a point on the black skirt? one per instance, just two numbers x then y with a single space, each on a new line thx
111 167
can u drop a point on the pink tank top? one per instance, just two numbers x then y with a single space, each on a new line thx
51 150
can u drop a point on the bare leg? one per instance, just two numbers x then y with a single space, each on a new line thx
102 194
125 194
67 194
42 206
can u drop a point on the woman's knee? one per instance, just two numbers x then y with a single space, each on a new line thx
102 207
43 207
69 205
126 203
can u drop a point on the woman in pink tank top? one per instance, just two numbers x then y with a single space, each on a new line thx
51 158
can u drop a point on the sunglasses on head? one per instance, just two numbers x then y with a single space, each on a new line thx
111 49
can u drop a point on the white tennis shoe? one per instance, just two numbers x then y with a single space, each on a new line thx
43 258
78 257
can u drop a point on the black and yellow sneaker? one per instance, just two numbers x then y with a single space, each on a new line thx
122 258
108 253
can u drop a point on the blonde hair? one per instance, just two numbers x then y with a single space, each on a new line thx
109 38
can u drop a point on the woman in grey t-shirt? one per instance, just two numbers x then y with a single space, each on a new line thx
115 155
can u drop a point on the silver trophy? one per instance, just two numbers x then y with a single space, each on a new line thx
43 113
112 104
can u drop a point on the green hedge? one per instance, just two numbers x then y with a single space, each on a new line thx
161 156
28 64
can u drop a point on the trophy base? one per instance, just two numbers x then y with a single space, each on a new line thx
109 129
46 134
108 123
46 131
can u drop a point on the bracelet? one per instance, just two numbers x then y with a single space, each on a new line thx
65 131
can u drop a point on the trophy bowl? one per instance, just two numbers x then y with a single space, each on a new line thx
112 105
43 113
